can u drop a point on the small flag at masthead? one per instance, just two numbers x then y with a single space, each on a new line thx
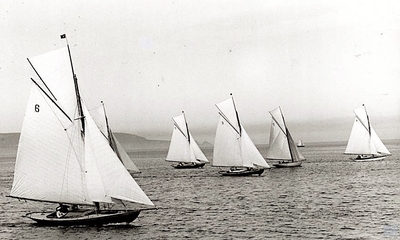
63 36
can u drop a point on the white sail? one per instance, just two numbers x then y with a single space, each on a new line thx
123 155
359 140
363 138
232 145
281 144
250 154
55 69
227 152
196 150
117 181
179 148
380 147
99 116
50 160
183 147
62 156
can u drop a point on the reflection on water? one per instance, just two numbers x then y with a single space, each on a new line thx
329 197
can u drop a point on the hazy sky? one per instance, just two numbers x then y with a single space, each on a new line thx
149 60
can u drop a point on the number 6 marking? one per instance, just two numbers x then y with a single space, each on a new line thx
37 108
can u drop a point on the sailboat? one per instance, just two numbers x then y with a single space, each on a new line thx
100 116
233 147
300 143
281 144
64 158
363 141
183 148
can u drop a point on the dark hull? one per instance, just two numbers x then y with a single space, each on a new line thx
242 172
183 166
287 164
368 159
92 219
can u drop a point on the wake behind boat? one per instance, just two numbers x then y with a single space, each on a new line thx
363 141
64 158
183 148
281 144
233 147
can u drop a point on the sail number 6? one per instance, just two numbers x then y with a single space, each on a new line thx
37 108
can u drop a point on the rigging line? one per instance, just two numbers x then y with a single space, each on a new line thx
73 132
76 132
52 100
90 110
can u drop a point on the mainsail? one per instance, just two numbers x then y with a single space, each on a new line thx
281 144
363 138
62 155
50 157
233 146
183 147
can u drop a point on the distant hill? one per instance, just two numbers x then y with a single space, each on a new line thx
128 141
134 142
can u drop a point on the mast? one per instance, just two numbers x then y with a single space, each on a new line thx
237 116
78 96
369 127
187 127
107 126
369 124
110 137
287 138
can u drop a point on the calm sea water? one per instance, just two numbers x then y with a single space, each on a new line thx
330 197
